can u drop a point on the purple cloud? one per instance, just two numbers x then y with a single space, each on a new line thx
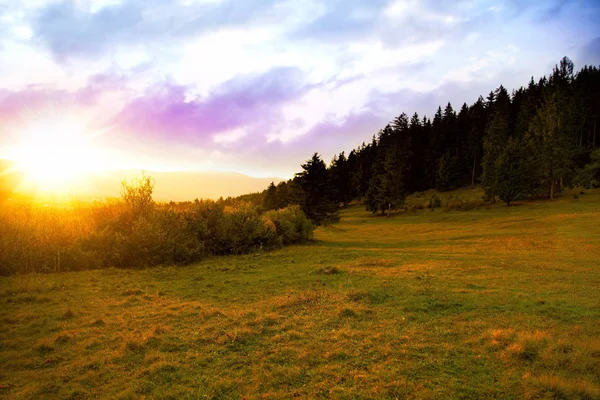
164 112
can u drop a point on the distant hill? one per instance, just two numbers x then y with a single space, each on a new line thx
175 186
181 186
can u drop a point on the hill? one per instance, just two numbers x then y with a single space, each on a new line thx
495 302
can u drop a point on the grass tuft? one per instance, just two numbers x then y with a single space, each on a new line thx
560 388
529 345
347 313
329 271
62 339
98 322
68 314
45 347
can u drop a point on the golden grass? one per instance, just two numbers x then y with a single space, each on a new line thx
487 303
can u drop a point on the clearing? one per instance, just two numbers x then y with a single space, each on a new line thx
494 302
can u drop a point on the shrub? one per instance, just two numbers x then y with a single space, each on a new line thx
435 201
135 232
291 224
463 205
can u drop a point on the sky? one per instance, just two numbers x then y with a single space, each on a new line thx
258 86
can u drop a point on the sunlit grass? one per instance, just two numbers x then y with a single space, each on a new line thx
494 302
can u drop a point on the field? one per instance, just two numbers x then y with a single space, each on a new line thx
493 302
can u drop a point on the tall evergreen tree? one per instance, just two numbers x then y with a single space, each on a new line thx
551 130
340 178
496 134
319 202
270 201
478 121
387 186
512 169
448 172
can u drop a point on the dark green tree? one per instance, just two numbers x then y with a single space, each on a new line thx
552 134
589 176
340 177
318 195
270 201
448 172
496 134
513 172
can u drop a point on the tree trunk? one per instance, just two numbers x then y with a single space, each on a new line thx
552 189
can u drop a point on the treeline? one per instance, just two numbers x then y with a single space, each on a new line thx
529 143
136 232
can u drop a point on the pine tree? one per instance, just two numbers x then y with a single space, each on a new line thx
478 121
283 195
551 130
318 201
512 169
387 186
496 134
448 173
416 179
270 201
340 178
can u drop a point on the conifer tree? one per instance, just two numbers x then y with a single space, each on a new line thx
512 169
270 201
496 134
551 130
318 201
447 177
340 178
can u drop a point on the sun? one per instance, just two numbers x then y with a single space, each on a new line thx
56 154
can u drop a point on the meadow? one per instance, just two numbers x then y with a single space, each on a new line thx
489 302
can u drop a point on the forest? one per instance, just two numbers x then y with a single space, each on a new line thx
530 143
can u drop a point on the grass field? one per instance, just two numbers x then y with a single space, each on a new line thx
494 302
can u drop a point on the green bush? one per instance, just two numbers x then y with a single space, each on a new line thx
291 224
138 233
435 201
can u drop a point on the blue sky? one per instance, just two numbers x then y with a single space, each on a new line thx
257 86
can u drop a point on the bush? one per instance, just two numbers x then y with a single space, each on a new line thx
136 234
415 207
463 205
291 224
435 202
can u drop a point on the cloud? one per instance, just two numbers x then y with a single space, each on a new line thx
262 84
343 19
245 102
71 29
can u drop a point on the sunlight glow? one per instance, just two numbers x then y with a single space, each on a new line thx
56 154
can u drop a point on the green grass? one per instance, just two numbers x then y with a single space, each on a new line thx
494 302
